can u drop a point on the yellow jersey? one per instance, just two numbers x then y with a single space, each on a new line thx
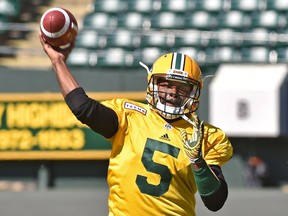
149 172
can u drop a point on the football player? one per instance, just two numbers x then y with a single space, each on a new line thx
162 153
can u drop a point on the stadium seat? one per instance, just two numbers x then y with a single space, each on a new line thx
280 38
211 5
115 58
248 5
190 51
10 8
157 39
99 21
81 57
134 20
202 20
191 38
257 54
228 37
167 20
227 54
109 6
270 20
123 38
149 54
143 6
90 39
236 20
177 6
257 37
277 5
211 31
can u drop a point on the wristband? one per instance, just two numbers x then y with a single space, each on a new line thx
206 181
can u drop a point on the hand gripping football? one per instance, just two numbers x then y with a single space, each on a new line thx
59 27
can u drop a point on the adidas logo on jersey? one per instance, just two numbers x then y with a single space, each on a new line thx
165 137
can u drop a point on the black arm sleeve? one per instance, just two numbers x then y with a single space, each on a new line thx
98 117
216 201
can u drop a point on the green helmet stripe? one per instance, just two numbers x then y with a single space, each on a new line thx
178 61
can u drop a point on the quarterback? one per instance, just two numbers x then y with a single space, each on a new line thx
162 153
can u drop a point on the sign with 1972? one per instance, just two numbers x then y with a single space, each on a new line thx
40 126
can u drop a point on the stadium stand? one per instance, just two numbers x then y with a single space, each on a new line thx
16 15
19 26
212 31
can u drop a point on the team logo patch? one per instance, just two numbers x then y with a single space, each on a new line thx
168 126
131 106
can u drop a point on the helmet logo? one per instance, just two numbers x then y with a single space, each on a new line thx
178 73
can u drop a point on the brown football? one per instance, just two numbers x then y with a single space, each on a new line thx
59 27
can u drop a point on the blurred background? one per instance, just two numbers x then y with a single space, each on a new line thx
51 165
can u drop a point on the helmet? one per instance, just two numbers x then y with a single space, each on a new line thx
176 67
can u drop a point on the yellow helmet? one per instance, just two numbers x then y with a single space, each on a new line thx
175 67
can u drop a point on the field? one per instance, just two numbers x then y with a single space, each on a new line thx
92 202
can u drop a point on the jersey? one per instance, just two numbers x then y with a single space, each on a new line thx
149 172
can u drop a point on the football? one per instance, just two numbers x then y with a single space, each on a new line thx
59 27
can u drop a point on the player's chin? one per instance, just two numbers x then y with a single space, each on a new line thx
168 103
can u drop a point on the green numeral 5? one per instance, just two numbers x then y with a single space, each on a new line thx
150 147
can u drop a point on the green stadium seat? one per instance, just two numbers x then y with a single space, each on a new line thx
99 21
257 54
134 20
257 37
277 5
177 6
190 51
189 38
229 37
167 20
10 8
143 6
157 39
81 57
211 31
123 38
270 20
236 20
211 5
248 5
115 58
202 20
227 54
109 6
91 39
280 38
149 54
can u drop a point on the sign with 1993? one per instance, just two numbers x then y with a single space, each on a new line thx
40 126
